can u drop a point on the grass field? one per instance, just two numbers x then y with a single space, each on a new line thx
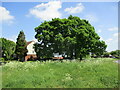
92 73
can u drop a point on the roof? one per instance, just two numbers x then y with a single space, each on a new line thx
29 42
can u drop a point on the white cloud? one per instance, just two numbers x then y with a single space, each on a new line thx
113 29
101 26
115 34
5 15
109 40
77 9
91 17
99 31
113 42
13 38
47 11
101 38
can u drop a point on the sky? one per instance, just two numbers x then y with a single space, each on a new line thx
16 16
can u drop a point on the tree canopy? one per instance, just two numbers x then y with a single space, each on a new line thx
72 37
115 53
21 46
7 48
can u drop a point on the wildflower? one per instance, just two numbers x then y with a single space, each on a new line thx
67 77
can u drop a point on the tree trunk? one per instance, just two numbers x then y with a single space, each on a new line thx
80 57
75 54
71 55
22 59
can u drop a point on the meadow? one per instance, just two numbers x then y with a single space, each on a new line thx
90 73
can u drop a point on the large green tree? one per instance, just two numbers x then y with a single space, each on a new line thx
72 37
21 46
7 48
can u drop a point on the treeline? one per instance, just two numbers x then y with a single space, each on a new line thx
71 37
112 54
8 47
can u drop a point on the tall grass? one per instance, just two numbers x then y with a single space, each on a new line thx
92 73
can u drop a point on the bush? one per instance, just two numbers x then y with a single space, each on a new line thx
2 59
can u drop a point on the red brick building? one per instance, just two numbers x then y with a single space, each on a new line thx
31 54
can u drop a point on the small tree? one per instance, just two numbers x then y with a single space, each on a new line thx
21 46
7 48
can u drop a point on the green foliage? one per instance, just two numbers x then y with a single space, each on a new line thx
115 53
21 46
72 37
99 48
92 73
2 59
7 48
106 54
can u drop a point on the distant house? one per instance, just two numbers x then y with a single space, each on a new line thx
57 56
31 54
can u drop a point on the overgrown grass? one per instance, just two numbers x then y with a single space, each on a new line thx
92 73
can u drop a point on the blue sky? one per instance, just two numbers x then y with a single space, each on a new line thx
28 15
